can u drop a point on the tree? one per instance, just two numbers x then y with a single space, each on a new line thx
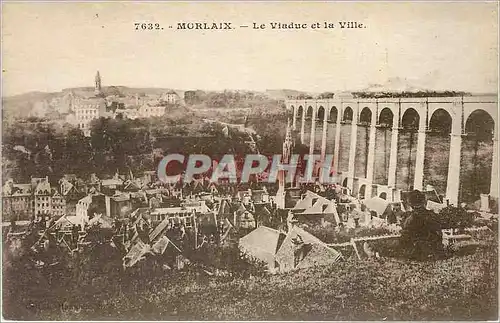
77 156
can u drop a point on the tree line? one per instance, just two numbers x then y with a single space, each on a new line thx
36 147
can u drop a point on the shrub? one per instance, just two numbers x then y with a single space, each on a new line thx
421 235
454 218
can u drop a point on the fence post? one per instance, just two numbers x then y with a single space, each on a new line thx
355 248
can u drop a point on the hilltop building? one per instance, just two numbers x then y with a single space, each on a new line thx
91 108
147 111
88 110
170 97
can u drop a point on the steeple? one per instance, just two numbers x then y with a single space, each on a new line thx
285 159
97 88
287 144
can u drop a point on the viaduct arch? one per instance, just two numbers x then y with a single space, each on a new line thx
389 145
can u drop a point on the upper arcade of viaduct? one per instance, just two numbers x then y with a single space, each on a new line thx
396 112
454 117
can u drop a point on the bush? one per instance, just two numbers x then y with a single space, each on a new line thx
421 235
454 218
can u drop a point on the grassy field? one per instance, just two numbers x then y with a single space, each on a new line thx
462 287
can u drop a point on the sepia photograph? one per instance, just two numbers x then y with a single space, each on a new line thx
249 161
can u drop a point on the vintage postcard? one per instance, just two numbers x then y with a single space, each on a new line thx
249 161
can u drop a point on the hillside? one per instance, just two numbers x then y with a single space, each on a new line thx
120 91
21 106
283 94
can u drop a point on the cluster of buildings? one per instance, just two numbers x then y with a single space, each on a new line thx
80 109
39 197
243 206
119 196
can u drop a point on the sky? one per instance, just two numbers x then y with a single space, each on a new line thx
51 46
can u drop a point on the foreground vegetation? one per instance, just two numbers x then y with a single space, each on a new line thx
461 287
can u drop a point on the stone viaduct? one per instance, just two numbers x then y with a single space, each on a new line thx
382 146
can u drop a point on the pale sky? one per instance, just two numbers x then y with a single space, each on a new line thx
51 46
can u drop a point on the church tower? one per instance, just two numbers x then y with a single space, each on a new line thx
285 159
97 89
288 143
